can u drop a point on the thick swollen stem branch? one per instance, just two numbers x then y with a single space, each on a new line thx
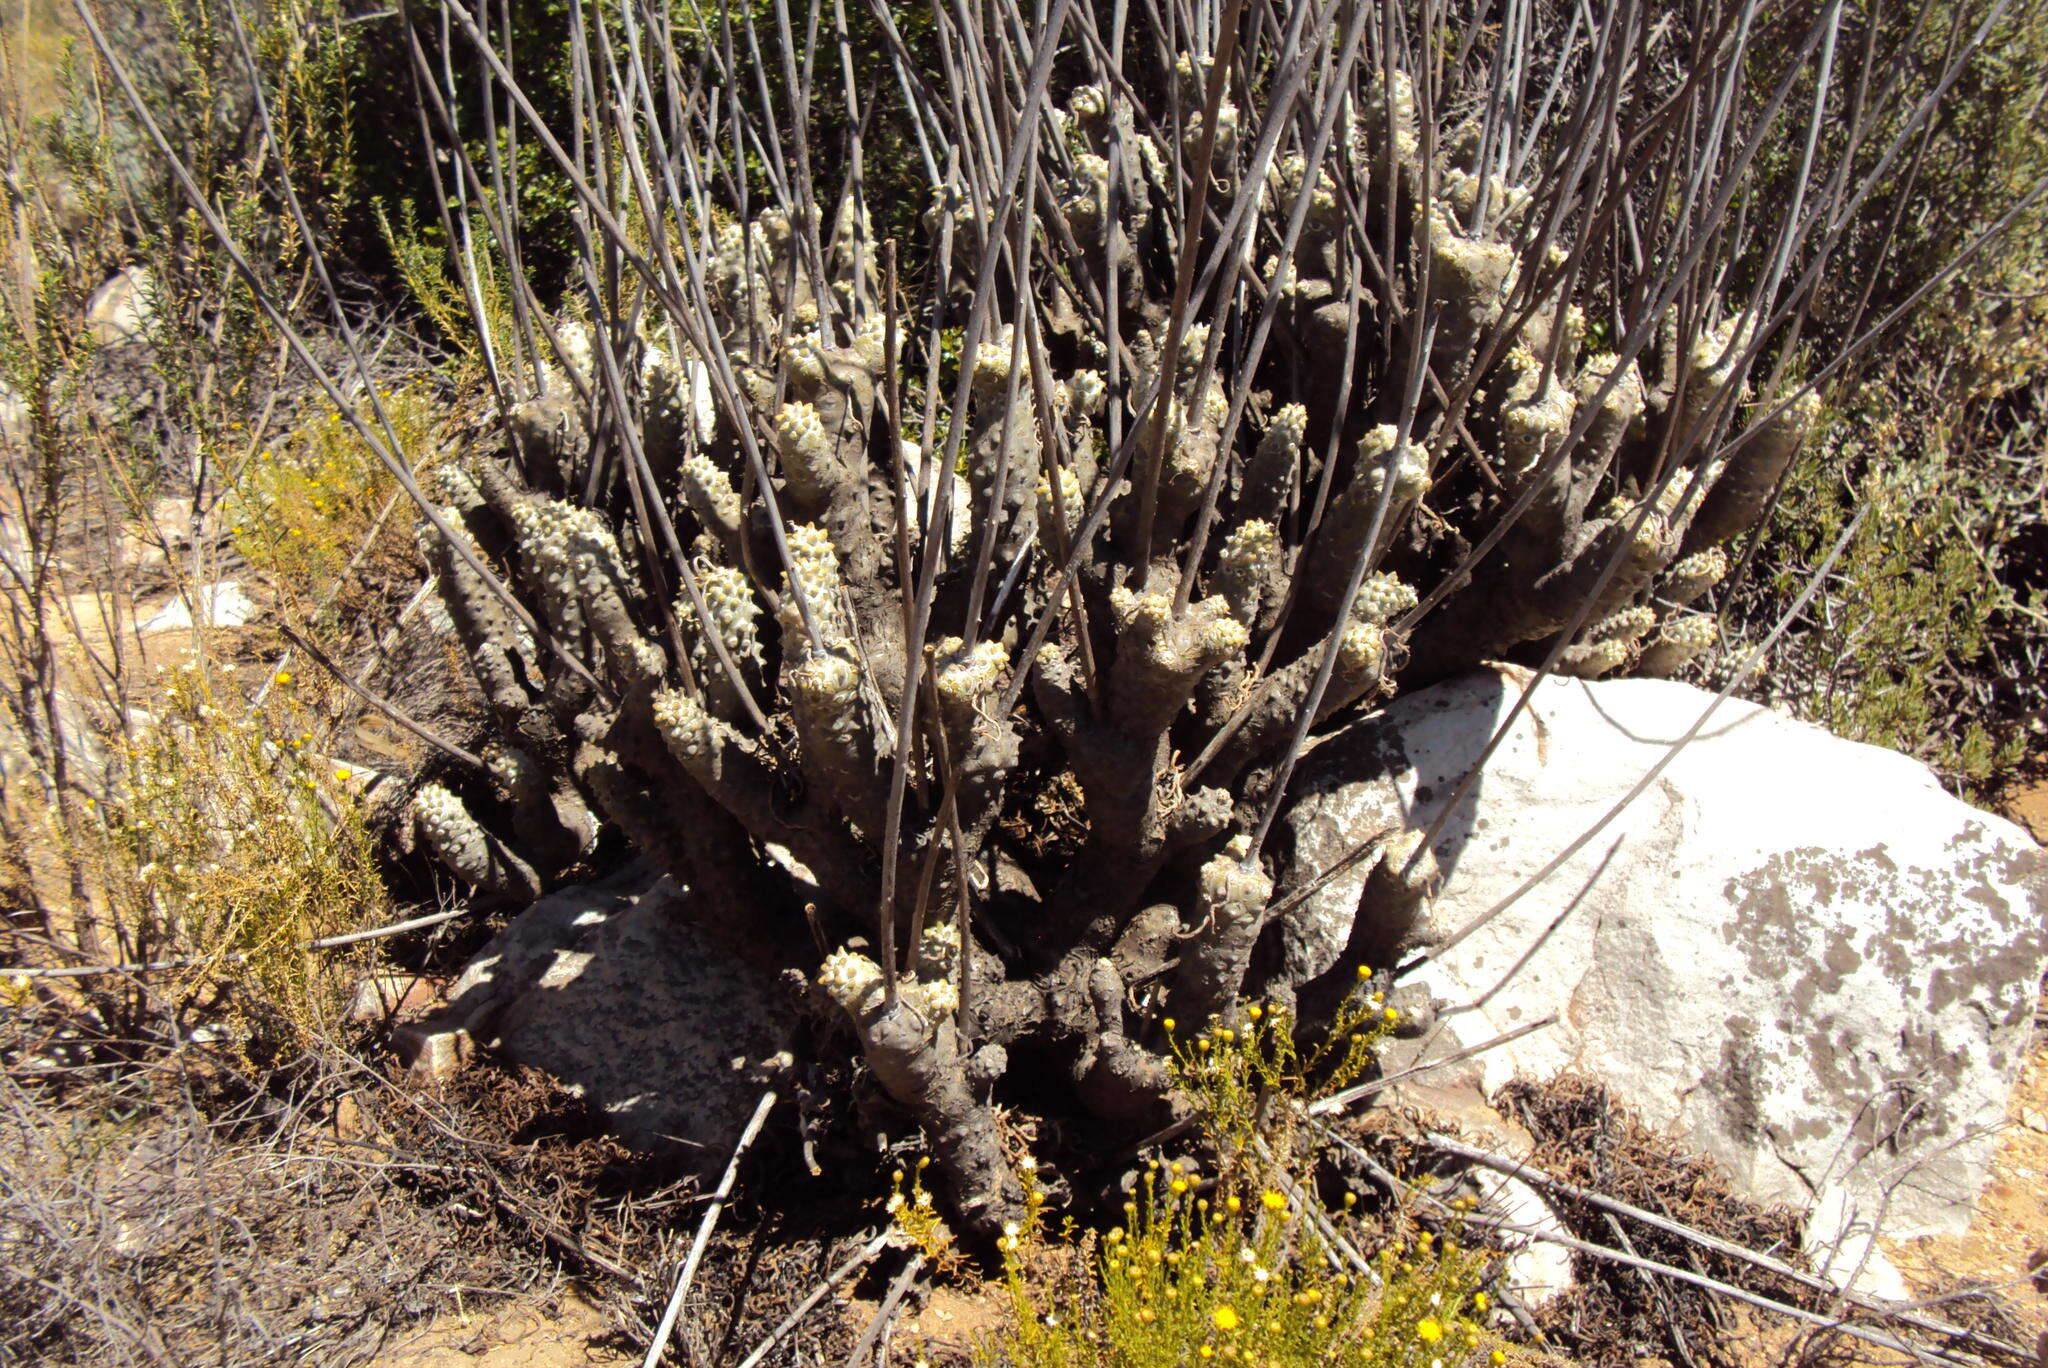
472 853
920 1060
1161 657
1738 498
1607 645
548 439
1250 571
1316 972
1502 607
1339 544
549 818
1360 669
1232 896
697 842
731 770
1137 813
499 654
1678 641
1274 466
709 495
1615 413
836 734
981 748
1116 1077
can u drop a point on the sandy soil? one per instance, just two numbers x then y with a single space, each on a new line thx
2012 1215
2028 805
519 1334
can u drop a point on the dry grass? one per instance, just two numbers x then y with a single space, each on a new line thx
1614 1315
138 1228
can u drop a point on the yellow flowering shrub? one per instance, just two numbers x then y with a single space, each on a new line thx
1192 1280
1229 1267
225 843
1246 1079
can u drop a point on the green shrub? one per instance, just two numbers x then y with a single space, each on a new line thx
317 507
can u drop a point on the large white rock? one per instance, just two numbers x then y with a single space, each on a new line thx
1797 953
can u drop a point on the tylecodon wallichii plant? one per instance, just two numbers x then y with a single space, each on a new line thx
1212 401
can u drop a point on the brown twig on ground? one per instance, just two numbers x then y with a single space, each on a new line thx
858 1261
719 1197
1529 1173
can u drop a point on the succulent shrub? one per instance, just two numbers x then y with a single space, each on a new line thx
970 595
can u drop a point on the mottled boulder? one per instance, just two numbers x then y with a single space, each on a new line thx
614 989
1797 953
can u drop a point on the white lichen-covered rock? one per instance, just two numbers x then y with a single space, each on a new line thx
614 989
1797 953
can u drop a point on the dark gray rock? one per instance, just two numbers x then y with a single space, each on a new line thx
617 991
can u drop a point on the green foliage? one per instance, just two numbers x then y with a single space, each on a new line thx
391 170
214 345
306 508
423 265
1942 185
1917 603
1927 638
182 820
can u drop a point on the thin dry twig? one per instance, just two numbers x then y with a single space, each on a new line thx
688 1274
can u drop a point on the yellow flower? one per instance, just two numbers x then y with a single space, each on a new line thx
1169 1023
1233 1203
1252 1011
1180 1185
1391 1015
1273 1201
1479 1301
1498 1358
1428 1331
284 676
1208 1352
1225 1318
342 775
